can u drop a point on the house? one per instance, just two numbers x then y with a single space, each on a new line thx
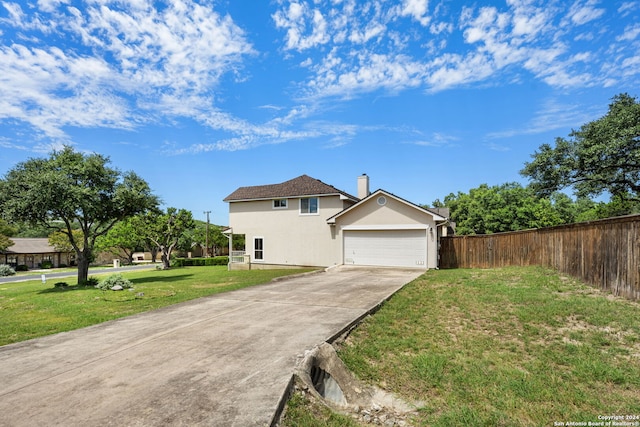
305 222
34 252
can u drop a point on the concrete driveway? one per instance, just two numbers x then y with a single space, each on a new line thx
224 360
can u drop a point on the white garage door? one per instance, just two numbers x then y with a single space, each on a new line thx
393 248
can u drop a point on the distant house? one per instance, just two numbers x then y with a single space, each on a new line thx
305 222
32 252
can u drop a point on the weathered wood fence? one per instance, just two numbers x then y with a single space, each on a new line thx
603 253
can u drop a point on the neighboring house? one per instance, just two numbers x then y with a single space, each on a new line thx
32 252
305 222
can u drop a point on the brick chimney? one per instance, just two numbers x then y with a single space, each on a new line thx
363 186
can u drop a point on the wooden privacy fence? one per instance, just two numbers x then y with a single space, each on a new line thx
602 253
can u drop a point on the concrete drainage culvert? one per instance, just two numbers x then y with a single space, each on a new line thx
324 376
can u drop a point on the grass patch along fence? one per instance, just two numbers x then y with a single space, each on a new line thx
515 346
31 309
604 253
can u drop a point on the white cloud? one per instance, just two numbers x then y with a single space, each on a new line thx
167 61
294 20
627 7
582 12
436 140
551 115
108 63
418 10
497 147
50 5
373 46
631 32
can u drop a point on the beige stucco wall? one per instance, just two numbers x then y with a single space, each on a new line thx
394 215
289 237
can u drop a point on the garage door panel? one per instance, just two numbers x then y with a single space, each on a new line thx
394 248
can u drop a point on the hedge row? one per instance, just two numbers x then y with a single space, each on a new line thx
195 262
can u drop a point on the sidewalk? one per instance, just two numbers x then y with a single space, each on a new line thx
53 274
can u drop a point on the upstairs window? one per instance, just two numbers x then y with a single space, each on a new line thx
309 206
279 203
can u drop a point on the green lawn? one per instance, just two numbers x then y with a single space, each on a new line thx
499 347
32 309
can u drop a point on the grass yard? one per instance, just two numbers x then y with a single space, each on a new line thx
32 309
500 347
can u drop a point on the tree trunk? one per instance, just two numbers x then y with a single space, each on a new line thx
165 261
166 256
83 267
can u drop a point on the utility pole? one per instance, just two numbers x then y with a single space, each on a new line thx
207 236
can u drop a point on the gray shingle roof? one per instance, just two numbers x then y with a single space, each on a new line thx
301 186
24 245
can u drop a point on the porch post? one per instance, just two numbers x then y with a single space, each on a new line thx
230 237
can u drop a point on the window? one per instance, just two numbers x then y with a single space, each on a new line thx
309 205
258 248
280 204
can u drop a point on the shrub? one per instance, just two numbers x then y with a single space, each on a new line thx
91 281
6 270
22 267
113 280
60 285
195 262
46 264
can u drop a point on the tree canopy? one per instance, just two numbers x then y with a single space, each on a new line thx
165 229
77 189
602 157
505 207
198 236
123 239
6 231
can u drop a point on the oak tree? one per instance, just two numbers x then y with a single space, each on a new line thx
80 190
602 157
165 230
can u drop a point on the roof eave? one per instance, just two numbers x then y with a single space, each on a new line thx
342 197
436 217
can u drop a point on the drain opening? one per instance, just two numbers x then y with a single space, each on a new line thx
326 386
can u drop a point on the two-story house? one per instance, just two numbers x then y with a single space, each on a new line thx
305 222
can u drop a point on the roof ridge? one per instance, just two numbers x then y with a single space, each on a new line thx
303 185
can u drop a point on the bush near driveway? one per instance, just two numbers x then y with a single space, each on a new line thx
114 280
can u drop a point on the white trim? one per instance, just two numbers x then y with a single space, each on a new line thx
291 196
386 227
317 212
388 195
253 249
286 203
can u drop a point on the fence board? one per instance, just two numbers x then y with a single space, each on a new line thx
602 253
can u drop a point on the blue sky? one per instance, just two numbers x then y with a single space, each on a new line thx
427 97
